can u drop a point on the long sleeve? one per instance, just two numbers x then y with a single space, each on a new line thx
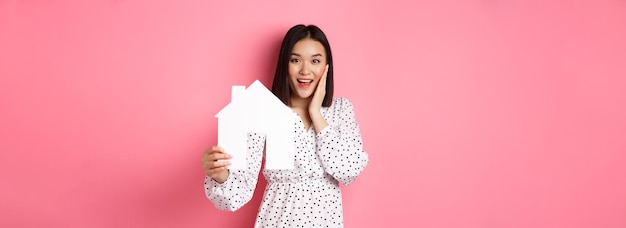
238 189
339 144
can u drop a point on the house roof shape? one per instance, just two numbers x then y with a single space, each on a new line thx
254 96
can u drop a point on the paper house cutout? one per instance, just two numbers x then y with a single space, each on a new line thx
257 110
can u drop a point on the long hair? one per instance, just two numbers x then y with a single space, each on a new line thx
280 86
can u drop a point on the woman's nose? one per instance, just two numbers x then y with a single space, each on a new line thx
304 70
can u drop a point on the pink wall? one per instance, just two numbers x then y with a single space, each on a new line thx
478 113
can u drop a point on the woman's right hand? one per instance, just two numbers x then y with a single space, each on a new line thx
215 163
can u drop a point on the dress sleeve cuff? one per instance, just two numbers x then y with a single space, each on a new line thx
215 184
325 131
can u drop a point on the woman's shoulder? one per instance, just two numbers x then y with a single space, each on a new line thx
341 103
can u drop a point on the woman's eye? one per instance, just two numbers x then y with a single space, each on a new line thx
294 60
316 61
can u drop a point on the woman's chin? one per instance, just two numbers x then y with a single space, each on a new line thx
303 94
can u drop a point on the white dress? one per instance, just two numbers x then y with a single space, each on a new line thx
309 195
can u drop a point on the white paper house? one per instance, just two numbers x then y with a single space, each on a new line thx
257 110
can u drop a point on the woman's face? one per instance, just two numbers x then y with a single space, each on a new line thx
306 66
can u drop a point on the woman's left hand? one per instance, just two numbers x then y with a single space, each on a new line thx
320 93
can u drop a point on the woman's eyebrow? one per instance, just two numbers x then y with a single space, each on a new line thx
314 55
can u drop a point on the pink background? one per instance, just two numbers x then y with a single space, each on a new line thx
480 113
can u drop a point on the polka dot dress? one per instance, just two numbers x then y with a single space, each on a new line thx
309 195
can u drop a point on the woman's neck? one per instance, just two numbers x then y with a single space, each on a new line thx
300 103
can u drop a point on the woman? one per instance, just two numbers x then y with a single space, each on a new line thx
327 141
